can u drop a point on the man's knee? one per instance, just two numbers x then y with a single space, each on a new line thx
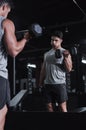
50 107
3 113
63 107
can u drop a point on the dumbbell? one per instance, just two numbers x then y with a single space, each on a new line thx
58 53
35 30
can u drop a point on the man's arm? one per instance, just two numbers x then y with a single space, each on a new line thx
13 46
68 61
42 75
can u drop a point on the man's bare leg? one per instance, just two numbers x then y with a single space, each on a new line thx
63 107
50 107
3 113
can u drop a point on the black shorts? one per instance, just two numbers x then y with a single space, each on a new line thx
55 93
4 92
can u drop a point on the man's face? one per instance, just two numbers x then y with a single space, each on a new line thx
56 42
8 8
5 9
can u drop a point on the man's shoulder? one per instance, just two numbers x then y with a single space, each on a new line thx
8 24
8 21
49 51
62 48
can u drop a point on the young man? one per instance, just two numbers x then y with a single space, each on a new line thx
8 46
57 62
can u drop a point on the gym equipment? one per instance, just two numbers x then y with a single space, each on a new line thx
35 30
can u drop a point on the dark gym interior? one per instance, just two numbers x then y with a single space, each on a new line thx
27 108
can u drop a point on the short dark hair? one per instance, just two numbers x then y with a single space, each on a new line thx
9 2
57 33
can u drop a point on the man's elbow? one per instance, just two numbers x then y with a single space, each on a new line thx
69 69
13 53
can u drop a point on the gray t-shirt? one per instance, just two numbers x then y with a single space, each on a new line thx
55 70
3 54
